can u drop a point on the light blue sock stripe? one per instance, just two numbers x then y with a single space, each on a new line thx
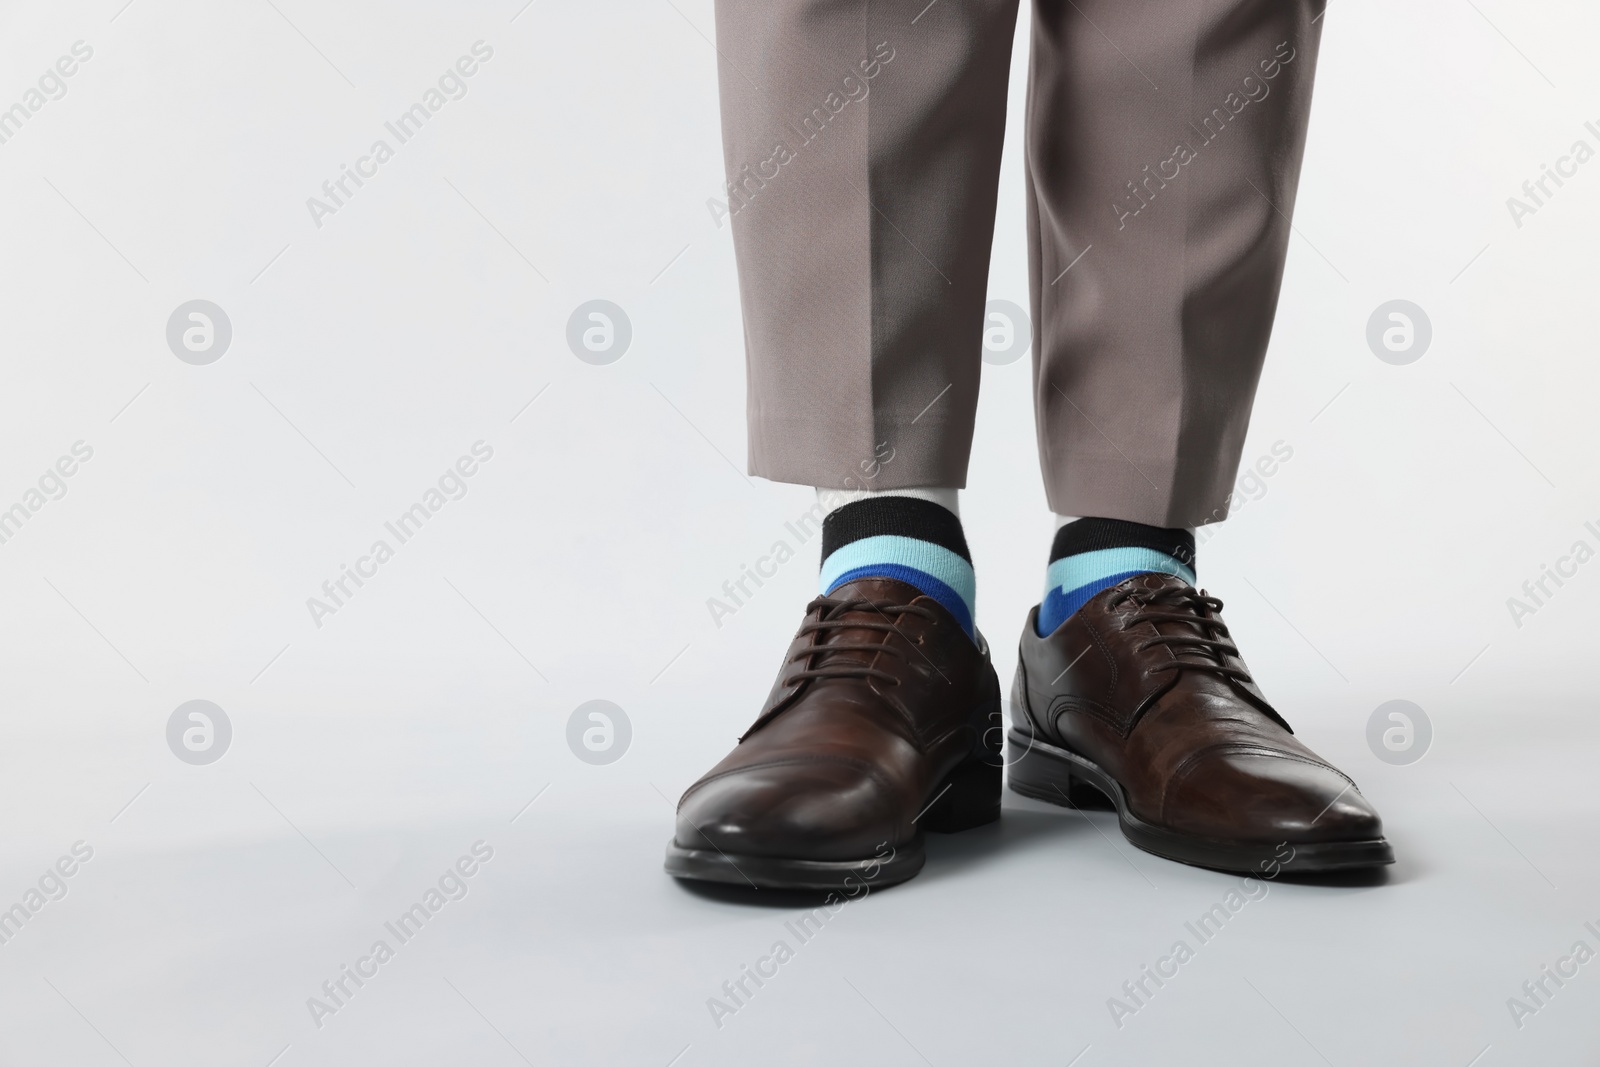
1072 581
1071 572
925 556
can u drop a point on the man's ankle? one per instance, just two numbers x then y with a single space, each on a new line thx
1092 554
908 538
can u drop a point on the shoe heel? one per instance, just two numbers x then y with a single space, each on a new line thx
969 797
1082 793
1036 774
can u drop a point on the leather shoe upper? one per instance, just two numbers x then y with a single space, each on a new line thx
878 699
1144 681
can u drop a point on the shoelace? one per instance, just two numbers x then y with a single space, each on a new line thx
829 620
1196 610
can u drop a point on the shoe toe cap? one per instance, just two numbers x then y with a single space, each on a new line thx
1272 799
819 811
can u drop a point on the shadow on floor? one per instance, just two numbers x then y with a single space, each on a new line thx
1019 829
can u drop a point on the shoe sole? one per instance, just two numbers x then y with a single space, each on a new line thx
1058 776
773 872
968 798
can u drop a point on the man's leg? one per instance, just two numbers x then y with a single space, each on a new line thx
1164 146
862 144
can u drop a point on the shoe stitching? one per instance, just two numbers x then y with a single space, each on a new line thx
1060 704
1065 704
1100 641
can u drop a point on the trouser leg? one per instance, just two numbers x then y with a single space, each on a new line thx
862 144
1164 142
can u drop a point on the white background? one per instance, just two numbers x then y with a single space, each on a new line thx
370 752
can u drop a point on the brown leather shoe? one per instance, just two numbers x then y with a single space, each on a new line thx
1141 698
883 723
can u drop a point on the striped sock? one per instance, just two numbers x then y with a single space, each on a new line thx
911 540
1091 555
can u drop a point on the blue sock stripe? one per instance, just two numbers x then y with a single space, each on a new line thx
925 583
1060 603
933 569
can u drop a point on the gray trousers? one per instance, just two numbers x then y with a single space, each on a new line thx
1163 142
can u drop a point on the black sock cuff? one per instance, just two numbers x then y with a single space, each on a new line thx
900 516
1091 534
